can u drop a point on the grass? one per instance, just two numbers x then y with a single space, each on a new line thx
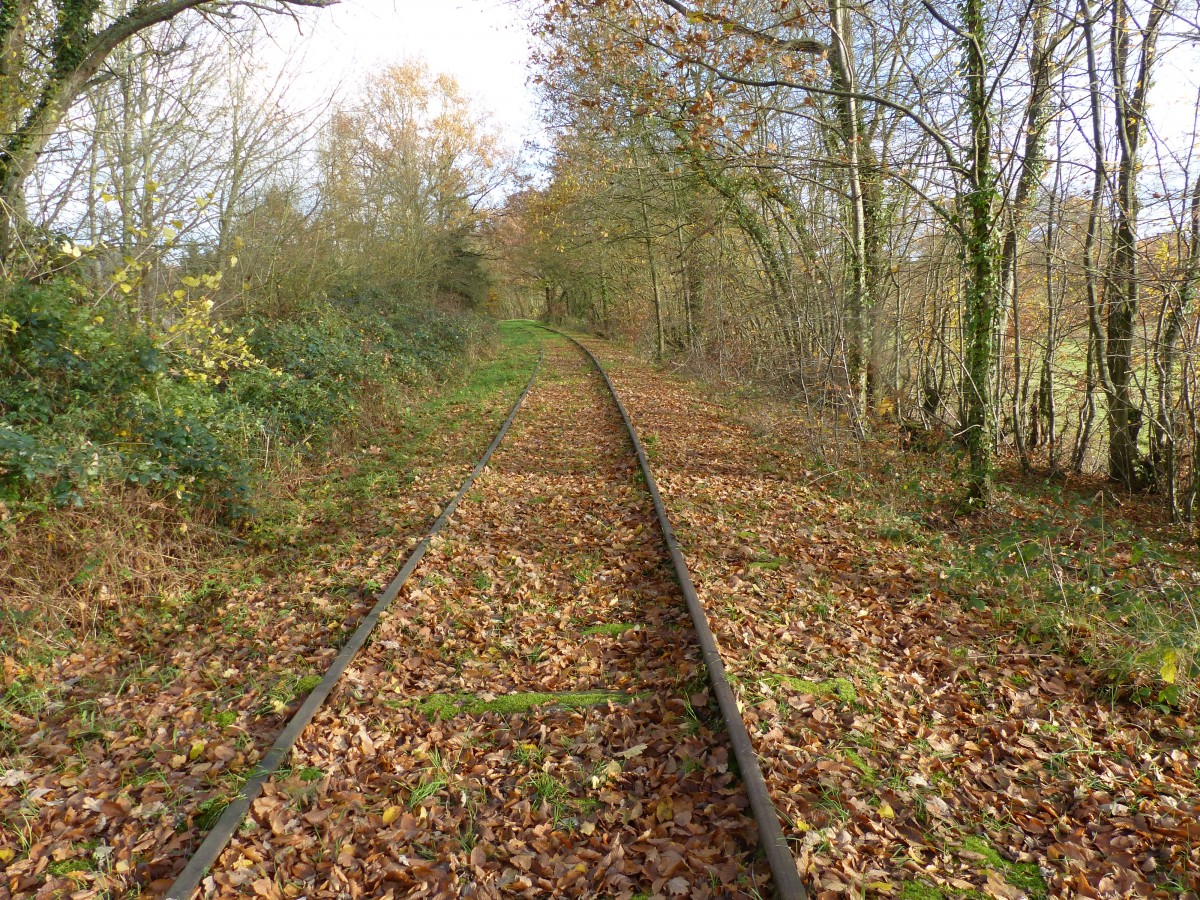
287 691
1025 877
1098 575
587 567
447 705
428 788
208 812
566 809
612 629
840 688
1103 590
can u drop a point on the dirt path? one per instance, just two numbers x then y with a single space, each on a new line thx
531 717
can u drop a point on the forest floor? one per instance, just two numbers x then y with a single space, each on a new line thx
942 706
995 705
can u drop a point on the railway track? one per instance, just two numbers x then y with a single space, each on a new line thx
532 715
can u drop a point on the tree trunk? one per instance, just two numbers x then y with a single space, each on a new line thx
983 284
858 292
1124 290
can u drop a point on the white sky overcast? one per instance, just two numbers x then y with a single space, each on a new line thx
482 43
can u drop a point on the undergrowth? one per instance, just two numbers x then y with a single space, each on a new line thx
1068 562
92 395
119 470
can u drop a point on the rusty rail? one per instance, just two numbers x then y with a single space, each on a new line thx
227 824
783 865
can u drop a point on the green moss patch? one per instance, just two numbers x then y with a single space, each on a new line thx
305 686
870 776
841 688
70 866
613 629
447 705
921 890
1023 876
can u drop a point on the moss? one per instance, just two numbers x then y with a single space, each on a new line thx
1024 876
870 776
446 705
841 688
771 563
612 629
305 686
921 890
70 866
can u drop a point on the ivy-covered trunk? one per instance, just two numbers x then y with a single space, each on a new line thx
981 251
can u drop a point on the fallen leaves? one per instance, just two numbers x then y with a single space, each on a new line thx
501 733
980 763
132 740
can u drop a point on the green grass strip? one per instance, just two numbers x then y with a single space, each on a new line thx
446 705
611 628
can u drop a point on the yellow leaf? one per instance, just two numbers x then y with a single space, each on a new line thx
197 749
886 811
391 814
7 854
1170 667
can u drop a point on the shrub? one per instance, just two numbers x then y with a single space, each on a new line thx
89 394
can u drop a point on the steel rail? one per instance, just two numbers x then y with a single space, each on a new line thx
231 818
783 865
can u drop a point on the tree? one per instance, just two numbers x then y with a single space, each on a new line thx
50 52
408 171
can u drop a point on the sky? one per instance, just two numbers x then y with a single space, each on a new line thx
482 43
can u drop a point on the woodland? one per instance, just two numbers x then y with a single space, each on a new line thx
902 296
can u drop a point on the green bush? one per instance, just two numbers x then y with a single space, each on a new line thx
89 395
